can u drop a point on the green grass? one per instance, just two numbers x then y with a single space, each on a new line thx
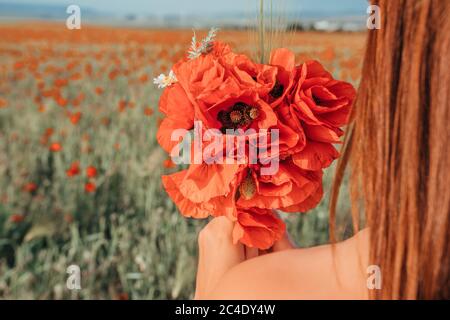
127 237
147 250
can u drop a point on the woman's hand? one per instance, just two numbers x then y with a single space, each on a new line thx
218 254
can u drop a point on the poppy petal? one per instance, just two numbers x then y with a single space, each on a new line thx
258 228
315 156
284 58
187 208
203 182
168 127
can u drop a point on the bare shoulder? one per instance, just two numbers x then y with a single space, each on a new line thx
323 272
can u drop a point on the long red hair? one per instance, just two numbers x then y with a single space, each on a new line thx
397 149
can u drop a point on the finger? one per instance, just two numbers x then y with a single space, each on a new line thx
285 243
221 224
251 252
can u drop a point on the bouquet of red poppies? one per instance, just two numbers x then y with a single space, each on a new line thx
255 137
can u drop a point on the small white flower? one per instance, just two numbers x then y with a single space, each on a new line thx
164 81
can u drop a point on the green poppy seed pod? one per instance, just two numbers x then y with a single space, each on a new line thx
247 188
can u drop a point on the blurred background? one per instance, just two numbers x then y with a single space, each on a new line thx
346 15
79 164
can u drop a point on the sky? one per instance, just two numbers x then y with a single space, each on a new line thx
200 7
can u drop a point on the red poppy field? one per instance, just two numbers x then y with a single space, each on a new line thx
80 166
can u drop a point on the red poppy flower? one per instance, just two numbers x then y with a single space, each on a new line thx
55 147
260 78
48 132
316 108
73 170
284 60
204 190
143 78
75 117
122 296
61 83
289 187
148 111
168 163
62 102
225 90
122 105
205 82
99 90
91 172
180 115
257 228
3 103
16 218
30 187
321 104
90 187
